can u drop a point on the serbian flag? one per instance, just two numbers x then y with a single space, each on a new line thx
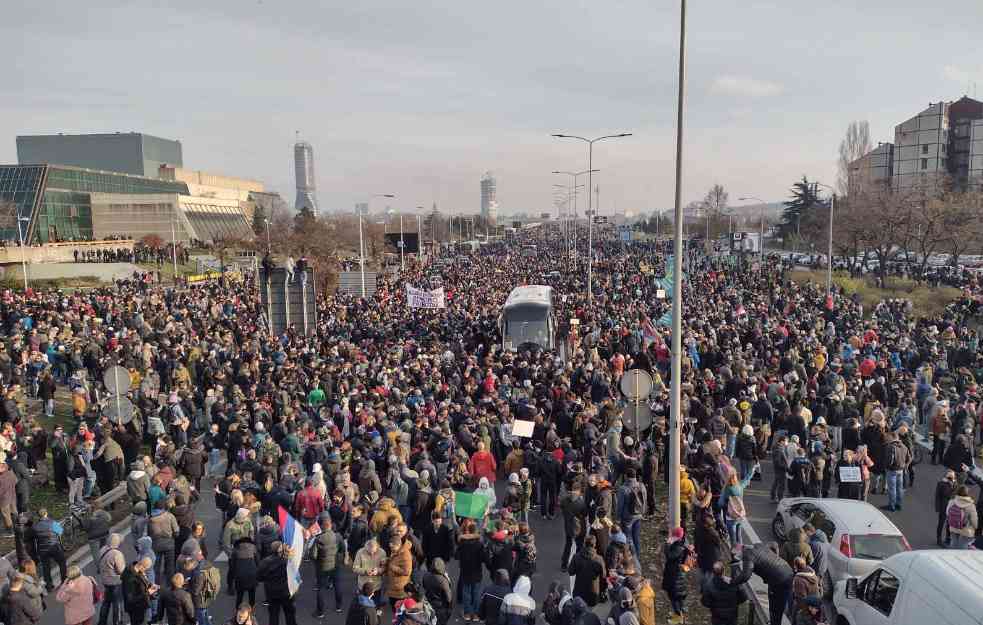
293 536
649 334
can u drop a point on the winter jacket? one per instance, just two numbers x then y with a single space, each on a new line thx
244 564
177 604
796 546
20 609
469 554
162 528
136 590
724 596
590 573
111 565
328 551
518 608
673 575
437 586
767 565
398 571
944 491
77 597
385 512
235 530
365 562
493 596
138 486
272 572
482 464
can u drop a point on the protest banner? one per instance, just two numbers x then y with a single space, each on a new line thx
418 298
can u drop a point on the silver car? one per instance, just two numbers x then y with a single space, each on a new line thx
860 536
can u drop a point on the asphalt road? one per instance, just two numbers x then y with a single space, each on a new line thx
549 543
916 519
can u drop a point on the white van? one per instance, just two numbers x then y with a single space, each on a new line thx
930 587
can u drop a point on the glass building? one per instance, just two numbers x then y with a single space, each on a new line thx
52 202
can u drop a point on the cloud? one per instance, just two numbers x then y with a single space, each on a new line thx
956 74
745 86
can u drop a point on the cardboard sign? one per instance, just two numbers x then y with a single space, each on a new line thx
850 475
522 429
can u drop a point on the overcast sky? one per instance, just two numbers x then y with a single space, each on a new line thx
420 98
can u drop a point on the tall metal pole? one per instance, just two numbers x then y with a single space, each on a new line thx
361 252
590 223
761 240
401 244
829 258
677 289
268 247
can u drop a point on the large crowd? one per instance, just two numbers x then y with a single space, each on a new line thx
379 432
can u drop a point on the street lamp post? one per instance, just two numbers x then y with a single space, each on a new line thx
23 248
761 234
590 215
573 192
361 242
829 255
269 248
676 364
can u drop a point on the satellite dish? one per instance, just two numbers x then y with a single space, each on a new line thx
117 380
119 410
636 384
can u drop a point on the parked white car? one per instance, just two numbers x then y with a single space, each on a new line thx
860 536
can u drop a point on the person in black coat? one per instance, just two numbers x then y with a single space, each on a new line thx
847 490
674 573
498 552
176 603
438 540
272 572
550 475
723 596
590 572
363 609
469 552
243 568
137 590
492 597
708 542
776 573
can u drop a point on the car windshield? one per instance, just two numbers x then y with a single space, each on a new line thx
877 547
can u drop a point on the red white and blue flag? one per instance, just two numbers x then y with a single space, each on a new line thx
293 536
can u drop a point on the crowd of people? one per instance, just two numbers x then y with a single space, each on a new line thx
379 432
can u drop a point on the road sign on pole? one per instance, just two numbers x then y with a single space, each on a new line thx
636 384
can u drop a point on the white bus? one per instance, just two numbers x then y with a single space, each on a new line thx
527 318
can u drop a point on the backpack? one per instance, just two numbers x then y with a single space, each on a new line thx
814 585
891 460
955 517
212 586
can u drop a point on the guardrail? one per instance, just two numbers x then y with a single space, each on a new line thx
755 589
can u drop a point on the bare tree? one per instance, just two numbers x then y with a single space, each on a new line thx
963 223
855 144
713 210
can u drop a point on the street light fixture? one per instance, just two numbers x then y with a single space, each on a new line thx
361 242
573 192
590 215
761 235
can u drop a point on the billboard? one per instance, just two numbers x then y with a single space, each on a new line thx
411 242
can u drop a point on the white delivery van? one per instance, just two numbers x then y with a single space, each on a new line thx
929 587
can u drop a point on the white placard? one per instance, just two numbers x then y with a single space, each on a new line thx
418 298
522 429
660 294
850 475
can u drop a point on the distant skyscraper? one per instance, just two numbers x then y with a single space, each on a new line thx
304 167
489 203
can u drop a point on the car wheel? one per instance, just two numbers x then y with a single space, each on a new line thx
778 527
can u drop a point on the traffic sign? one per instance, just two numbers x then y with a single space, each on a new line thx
638 417
117 380
636 384
119 410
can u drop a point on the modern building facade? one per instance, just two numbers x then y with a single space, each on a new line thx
61 203
921 147
876 168
304 171
489 198
125 152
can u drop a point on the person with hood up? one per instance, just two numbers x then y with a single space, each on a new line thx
492 598
627 609
805 584
962 519
518 607
724 596
486 490
238 527
369 565
577 612
482 464
796 546
674 574
385 512
138 483
437 589
243 566
589 573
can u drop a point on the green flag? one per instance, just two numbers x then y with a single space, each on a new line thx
469 504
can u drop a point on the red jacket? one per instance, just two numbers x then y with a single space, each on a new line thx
482 464
308 504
